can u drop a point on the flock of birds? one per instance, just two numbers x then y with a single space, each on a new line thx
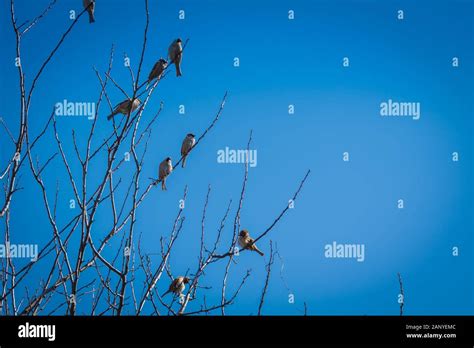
126 107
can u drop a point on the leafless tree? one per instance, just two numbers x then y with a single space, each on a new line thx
74 261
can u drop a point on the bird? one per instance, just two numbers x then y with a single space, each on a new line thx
187 145
89 5
166 167
175 54
246 242
177 286
125 107
157 70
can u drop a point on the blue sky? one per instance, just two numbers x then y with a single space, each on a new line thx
282 62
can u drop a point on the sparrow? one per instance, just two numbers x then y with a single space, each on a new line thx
166 167
125 107
175 54
177 286
187 145
157 70
246 242
90 9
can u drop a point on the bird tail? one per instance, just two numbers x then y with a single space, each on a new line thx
184 162
91 18
163 184
111 115
259 252
178 70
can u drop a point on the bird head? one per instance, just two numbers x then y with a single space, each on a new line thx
190 135
244 233
178 40
168 159
186 280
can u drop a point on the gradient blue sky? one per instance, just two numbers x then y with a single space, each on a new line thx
282 62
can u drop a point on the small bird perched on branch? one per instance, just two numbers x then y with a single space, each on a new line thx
157 70
90 6
187 145
125 107
246 242
177 286
165 169
175 54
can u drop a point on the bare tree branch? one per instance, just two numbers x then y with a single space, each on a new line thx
267 279
402 301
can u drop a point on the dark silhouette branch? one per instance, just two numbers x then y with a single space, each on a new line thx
267 279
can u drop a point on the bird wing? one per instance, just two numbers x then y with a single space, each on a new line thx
162 171
121 105
170 288
171 51
184 147
154 71
174 51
